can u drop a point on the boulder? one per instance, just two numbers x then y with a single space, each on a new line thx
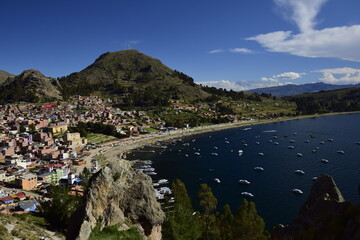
118 195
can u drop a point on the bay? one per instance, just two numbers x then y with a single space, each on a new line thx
315 138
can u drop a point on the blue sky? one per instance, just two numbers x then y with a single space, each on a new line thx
230 43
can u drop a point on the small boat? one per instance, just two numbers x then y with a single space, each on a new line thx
295 133
259 169
261 154
217 180
241 152
215 147
306 141
314 150
245 144
186 155
330 140
244 181
314 178
340 151
322 142
152 151
324 160
292 141
299 154
227 142
151 173
291 147
214 154
296 190
275 137
276 143
257 143
247 194
163 181
270 141
246 129
300 172
197 153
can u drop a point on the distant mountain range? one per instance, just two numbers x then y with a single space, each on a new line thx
292 89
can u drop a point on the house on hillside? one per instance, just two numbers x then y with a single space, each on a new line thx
28 205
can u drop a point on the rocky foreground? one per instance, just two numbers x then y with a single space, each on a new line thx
118 195
324 215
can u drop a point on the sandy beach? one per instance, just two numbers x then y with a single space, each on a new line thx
115 149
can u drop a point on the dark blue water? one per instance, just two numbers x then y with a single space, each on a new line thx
272 188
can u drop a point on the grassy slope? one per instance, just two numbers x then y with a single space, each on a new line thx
4 75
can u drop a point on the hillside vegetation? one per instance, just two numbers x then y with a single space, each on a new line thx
4 75
342 100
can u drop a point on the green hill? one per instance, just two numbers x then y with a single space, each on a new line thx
342 100
127 71
4 75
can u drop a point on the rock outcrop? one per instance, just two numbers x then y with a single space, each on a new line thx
35 84
324 215
118 195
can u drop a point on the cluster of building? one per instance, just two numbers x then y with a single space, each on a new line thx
37 150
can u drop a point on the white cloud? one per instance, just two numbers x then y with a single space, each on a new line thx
240 50
216 51
289 75
231 50
303 12
340 75
336 42
282 76
241 85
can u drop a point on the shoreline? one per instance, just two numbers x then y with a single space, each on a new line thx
112 150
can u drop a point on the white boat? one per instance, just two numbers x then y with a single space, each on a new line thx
270 141
214 154
314 178
186 155
306 141
247 194
241 152
276 143
340 151
322 142
244 181
261 154
259 168
292 141
246 129
291 147
197 153
300 172
217 180
215 147
324 160
257 143
299 155
296 190
163 181
151 173
245 144
227 142
330 140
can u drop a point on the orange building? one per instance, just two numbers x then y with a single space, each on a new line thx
27 181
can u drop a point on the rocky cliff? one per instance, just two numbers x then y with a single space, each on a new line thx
118 195
31 85
324 215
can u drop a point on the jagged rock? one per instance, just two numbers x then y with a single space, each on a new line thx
323 212
117 195
35 83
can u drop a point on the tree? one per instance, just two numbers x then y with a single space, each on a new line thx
248 224
22 128
85 177
59 210
225 223
208 203
182 223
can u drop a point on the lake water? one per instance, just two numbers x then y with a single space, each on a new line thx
272 188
